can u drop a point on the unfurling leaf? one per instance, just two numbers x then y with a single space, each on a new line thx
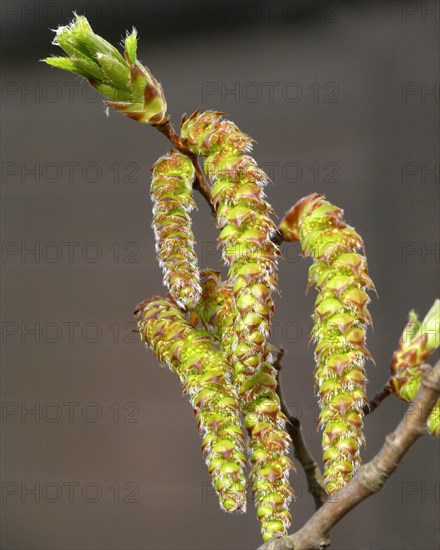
129 86
419 340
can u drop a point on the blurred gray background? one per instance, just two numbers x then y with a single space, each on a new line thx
343 99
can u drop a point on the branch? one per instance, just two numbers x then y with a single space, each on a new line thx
315 482
371 477
202 186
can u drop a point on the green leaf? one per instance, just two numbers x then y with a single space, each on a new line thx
66 40
410 389
431 326
114 94
131 45
434 420
92 69
115 73
412 328
65 64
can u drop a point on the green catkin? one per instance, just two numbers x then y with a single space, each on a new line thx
206 377
246 232
171 192
263 418
243 217
340 275
246 229
419 340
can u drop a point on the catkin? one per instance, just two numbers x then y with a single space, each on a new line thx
263 418
243 216
206 377
340 318
171 192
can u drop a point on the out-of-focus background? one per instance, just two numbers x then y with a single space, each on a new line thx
100 450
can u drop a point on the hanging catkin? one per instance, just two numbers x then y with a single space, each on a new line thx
171 192
340 275
206 377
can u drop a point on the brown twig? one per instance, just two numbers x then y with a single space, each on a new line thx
166 128
277 238
301 451
372 405
371 477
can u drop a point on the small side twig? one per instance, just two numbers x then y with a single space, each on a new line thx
301 451
277 238
372 405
